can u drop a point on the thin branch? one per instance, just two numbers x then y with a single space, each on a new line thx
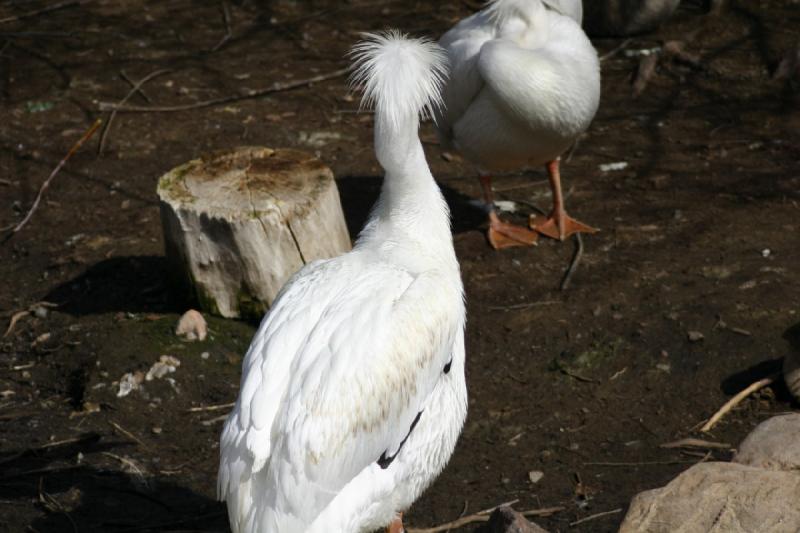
210 407
483 516
641 463
573 265
736 400
595 516
226 17
136 88
255 93
46 184
616 50
133 84
527 305
215 420
37 12
128 434
696 443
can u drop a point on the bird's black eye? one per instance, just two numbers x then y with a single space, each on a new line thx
447 366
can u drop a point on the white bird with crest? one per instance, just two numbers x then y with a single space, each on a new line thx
353 393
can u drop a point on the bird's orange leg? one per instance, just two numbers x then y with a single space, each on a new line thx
558 225
397 525
502 234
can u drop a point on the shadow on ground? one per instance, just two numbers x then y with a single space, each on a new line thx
135 284
77 487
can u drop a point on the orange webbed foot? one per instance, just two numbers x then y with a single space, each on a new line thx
559 226
505 235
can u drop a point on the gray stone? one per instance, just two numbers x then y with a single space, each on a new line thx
773 445
720 498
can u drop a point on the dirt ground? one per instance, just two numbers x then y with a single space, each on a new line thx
700 233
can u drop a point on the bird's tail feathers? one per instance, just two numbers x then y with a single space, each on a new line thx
402 77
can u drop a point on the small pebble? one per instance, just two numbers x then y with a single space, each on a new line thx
535 476
766 252
695 336
205 355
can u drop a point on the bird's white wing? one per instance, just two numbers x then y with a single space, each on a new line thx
570 8
463 44
335 384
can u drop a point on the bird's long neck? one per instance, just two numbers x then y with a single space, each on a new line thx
410 213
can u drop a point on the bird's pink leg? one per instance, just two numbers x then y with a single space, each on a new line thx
558 225
502 234
397 525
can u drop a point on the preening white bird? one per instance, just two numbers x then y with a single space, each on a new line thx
524 84
353 394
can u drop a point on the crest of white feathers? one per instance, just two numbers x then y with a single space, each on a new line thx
401 76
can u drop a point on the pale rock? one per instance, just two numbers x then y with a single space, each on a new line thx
192 326
719 497
773 445
166 364
129 382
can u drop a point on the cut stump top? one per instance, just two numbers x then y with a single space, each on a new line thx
243 183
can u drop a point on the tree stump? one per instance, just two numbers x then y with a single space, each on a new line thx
237 224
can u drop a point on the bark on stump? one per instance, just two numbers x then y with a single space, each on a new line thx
237 224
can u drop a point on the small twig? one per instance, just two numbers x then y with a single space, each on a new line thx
211 407
125 461
526 185
574 375
736 400
55 505
133 84
624 44
255 93
483 516
226 17
136 87
212 421
642 463
14 319
53 7
462 515
20 314
696 443
128 434
618 373
595 516
573 264
527 305
46 184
